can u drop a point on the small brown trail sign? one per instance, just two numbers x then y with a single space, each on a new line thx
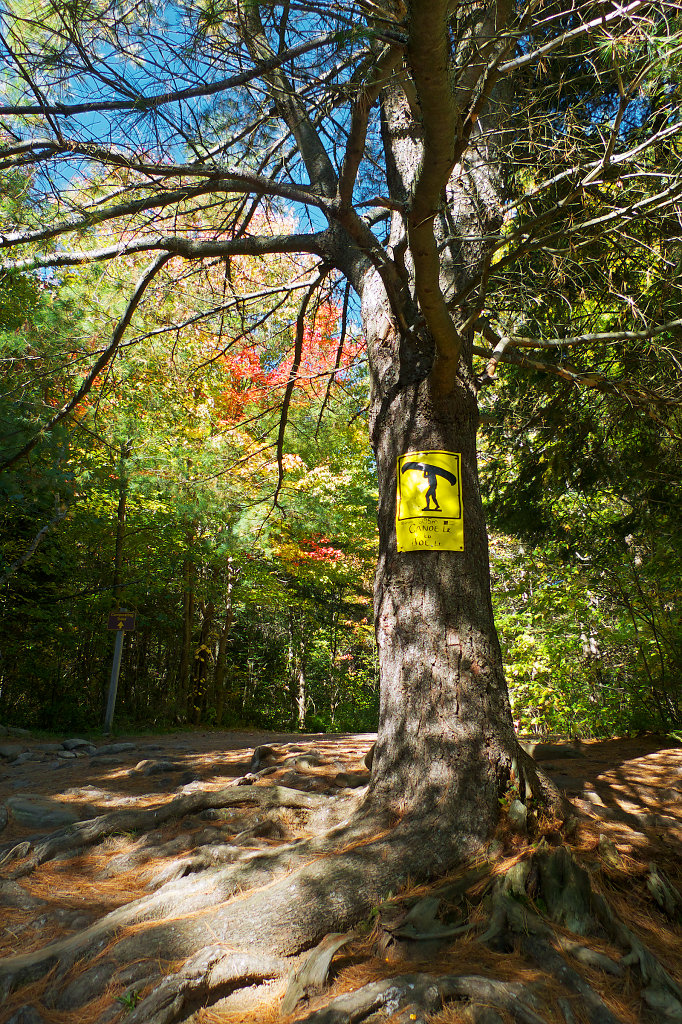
429 502
121 620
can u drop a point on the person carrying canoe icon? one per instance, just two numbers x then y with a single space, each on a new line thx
431 476
431 473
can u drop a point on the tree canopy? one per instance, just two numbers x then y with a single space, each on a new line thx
197 123
455 187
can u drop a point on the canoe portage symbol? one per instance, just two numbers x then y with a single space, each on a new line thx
431 473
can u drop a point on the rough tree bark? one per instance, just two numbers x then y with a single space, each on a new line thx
446 742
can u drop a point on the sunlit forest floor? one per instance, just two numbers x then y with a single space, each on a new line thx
627 795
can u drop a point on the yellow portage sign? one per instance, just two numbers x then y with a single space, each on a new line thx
429 502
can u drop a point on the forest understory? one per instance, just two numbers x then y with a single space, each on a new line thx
212 877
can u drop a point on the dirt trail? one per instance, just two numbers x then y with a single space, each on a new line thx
627 794
110 782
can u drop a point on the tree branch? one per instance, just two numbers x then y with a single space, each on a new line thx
293 376
315 156
429 59
520 341
382 70
640 397
160 201
565 37
145 103
31 549
174 245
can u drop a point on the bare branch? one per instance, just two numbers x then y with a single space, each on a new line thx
313 152
382 69
609 337
175 245
144 103
157 201
33 546
565 37
293 376
636 396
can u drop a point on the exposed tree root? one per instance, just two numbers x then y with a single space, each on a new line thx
225 919
312 975
332 881
661 989
545 955
425 993
532 782
73 838
206 977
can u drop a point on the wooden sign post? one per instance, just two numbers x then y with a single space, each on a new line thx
122 621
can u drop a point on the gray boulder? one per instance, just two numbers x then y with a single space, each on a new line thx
11 751
28 755
76 744
113 748
41 812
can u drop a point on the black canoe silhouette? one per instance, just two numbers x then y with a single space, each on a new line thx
426 467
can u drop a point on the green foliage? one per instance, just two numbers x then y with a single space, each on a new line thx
587 597
561 655
129 1001
19 295
169 462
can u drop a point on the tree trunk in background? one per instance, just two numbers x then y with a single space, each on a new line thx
291 666
182 689
221 657
301 682
201 661
334 680
296 658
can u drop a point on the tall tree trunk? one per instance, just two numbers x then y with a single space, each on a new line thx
221 657
301 681
182 690
296 659
446 738
220 667
291 665
296 666
334 680
202 657
446 742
